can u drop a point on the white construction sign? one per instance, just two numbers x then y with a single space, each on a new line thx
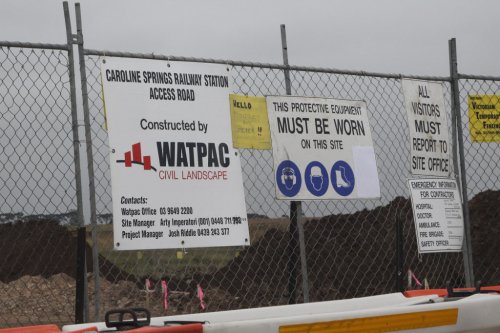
176 180
437 212
322 149
427 121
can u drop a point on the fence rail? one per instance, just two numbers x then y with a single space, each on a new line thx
351 248
152 56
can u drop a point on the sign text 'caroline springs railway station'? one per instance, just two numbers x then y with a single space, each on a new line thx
157 80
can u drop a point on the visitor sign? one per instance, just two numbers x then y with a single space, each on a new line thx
427 122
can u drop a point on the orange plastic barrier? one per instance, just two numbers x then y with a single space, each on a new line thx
444 292
88 329
189 328
43 329
426 292
32 329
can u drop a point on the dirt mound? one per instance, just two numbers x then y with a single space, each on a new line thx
36 298
485 228
44 248
354 255
348 255
259 275
51 300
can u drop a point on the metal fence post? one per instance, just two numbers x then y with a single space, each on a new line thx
90 160
81 278
461 173
296 229
399 252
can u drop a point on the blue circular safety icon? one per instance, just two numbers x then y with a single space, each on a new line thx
342 178
288 178
316 178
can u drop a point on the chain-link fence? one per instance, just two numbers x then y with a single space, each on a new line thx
346 248
483 182
37 186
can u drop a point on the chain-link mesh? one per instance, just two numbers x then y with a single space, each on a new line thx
482 168
37 188
350 246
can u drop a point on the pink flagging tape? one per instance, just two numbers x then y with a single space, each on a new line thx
415 278
201 296
164 289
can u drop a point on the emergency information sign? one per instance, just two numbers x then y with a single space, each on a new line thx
427 121
176 179
437 213
322 148
484 118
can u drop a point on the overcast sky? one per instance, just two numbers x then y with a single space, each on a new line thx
395 36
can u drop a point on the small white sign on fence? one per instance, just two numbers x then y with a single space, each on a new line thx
437 213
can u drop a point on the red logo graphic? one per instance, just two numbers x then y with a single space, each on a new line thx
135 157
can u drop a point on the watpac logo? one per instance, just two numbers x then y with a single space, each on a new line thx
135 157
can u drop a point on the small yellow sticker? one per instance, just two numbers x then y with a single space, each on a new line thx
249 122
484 118
180 255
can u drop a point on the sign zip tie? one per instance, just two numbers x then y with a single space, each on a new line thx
426 284
149 286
